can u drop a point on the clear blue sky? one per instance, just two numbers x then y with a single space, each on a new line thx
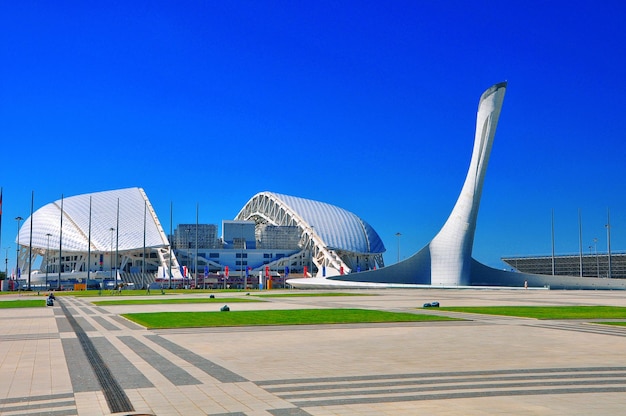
368 105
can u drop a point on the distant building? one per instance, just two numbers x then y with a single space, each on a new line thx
587 265
185 236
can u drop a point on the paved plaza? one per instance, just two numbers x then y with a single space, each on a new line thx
79 359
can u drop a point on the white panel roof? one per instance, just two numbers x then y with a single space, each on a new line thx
338 228
104 216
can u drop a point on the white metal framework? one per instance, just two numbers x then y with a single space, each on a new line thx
109 230
336 240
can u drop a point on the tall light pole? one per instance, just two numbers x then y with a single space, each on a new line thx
244 277
398 235
312 248
17 255
608 238
186 280
47 250
111 252
6 262
595 244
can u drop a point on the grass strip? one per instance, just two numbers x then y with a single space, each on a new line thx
158 320
611 323
159 301
304 294
27 303
547 312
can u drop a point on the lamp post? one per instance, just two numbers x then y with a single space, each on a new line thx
111 256
608 239
398 235
186 280
243 244
6 262
47 250
595 244
312 248
17 254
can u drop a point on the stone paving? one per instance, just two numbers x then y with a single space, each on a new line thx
79 359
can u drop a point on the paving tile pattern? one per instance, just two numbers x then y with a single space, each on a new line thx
76 358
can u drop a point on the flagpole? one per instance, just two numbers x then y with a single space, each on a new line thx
6 277
171 240
89 250
30 242
60 245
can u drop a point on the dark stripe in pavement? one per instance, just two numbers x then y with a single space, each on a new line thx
126 322
106 324
37 398
81 374
30 337
114 394
86 326
350 390
589 378
441 374
172 372
463 395
292 411
38 406
63 324
124 371
102 310
214 370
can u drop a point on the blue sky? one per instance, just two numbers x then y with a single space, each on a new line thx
367 105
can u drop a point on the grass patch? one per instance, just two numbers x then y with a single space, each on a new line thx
272 317
304 294
27 303
547 312
159 301
611 323
144 292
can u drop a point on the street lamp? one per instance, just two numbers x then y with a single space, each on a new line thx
244 278
312 249
186 280
17 255
47 250
595 243
398 235
111 256
6 262
608 239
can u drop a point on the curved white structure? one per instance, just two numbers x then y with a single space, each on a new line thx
447 260
338 240
101 223
451 249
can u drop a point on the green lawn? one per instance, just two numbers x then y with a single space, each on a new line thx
272 317
547 312
305 294
158 301
143 292
26 303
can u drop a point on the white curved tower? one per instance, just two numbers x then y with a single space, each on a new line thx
451 249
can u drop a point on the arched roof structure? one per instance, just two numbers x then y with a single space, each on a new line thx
122 220
101 209
334 234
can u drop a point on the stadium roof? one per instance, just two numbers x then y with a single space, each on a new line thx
338 228
102 209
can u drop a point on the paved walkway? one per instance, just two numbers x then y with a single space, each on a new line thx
79 359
